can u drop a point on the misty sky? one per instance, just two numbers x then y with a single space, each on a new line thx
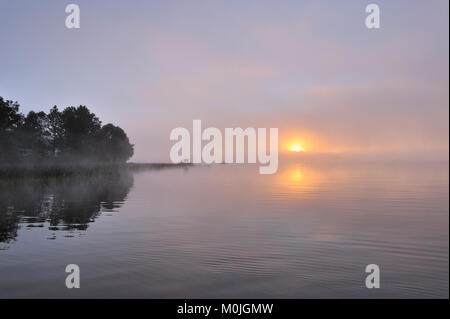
310 68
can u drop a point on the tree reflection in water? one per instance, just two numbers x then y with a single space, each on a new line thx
60 203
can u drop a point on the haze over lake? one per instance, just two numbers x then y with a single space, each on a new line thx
224 231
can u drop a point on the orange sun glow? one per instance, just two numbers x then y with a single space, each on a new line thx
297 148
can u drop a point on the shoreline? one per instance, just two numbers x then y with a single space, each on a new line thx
51 170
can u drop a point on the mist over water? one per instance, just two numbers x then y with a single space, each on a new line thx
226 231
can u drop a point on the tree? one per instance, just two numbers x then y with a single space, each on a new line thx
75 132
81 128
32 134
55 128
114 144
10 120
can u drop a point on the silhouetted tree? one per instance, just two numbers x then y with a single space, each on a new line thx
10 120
114 144
32 135
55 128
81 128
76 134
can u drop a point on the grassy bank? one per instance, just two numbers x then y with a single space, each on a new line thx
74 170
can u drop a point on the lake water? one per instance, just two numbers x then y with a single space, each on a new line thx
224 231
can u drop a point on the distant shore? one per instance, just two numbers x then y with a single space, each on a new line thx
24 170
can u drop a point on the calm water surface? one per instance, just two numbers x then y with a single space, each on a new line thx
225 231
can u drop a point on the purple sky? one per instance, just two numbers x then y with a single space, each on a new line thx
310 68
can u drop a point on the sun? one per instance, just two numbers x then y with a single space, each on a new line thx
297 148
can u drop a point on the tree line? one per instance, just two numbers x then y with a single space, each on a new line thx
74 134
